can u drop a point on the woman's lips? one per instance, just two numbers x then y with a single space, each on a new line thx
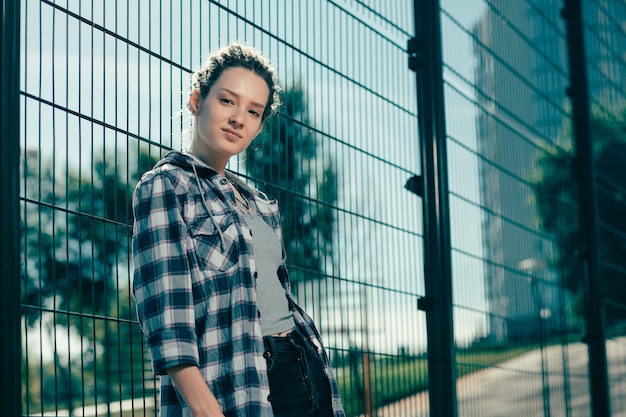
231 134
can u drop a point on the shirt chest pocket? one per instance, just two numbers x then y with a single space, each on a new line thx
215 250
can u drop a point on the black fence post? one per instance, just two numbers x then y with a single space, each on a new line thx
425 58
10 348
588 210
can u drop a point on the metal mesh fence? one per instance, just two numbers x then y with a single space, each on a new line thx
605 37
514 97
104 86
519 275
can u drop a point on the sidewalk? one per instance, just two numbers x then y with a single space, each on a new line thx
516 387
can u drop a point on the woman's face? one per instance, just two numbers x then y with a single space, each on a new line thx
229 117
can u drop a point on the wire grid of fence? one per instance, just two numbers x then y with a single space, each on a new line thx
522 161
103 96
605 34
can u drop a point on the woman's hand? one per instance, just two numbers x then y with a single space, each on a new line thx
189 382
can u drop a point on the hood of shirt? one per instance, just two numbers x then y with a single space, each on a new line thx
187 163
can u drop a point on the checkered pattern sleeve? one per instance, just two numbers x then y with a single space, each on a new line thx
162 282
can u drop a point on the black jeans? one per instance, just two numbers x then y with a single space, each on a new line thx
298 385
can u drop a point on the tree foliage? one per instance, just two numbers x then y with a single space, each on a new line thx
287 158
75 289
557 196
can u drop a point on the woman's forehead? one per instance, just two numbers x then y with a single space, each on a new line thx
244 83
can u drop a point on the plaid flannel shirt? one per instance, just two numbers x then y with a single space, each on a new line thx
194 283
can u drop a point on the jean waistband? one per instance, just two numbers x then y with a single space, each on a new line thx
295 335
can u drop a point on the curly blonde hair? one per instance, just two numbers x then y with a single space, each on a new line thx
236 55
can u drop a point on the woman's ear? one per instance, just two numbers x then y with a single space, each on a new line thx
194 102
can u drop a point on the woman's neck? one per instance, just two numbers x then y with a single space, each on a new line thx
220 168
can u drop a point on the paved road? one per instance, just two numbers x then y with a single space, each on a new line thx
515 389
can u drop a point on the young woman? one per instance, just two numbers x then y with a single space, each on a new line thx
210 281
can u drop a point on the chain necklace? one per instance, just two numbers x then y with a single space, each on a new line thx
240 199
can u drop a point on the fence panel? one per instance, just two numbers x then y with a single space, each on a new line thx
517 284
605 42
505 94
103 96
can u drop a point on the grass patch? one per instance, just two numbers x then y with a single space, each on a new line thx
392 378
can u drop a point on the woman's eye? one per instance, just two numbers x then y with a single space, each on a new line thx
255 113
226 100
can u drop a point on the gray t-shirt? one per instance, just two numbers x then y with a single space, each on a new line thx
275 316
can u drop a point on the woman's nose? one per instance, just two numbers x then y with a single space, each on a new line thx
236 119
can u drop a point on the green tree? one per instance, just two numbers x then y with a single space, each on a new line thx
287 158
556 196
76 228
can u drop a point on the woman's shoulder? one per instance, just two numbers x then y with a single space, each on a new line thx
174 168
165 182
163 175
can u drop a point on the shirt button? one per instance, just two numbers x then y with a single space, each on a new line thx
224 181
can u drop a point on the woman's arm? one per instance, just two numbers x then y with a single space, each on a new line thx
191 385
163 290
162 283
